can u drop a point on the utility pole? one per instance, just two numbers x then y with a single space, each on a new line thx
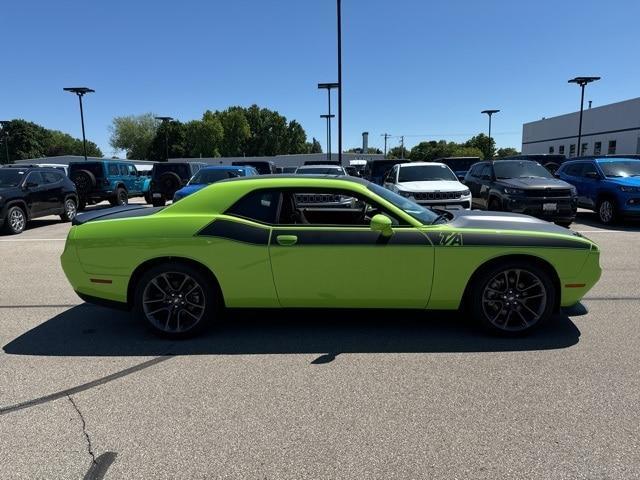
402 147
339 8
165 123
80 92
386 136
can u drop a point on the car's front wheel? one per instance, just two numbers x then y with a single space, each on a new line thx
512 298
607 211
176 300
70 210
16 220
158 202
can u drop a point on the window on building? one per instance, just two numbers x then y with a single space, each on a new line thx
585 147
551 149
612 147
572 150
561 149
597 148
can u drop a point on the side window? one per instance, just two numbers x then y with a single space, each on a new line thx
51 177
587 168
35 177
124 170
485 173
260 206
574 170
113 169
132 170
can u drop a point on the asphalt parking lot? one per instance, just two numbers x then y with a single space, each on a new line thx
88 392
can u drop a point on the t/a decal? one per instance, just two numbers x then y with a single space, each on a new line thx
451 239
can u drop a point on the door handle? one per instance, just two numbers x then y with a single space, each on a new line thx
286 240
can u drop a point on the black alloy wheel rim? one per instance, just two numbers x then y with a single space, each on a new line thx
514 300
174 302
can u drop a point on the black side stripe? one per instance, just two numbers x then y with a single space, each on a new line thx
353 237
240 232
439 239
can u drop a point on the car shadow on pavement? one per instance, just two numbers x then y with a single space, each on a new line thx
88 330
590 219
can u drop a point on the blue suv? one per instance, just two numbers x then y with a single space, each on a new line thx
208 175
105 180
610 186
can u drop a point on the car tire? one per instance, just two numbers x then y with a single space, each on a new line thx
494 205
512 298
147 198
176 300
16 220
121 198
70 210
158 202
84 180
170 182
607 211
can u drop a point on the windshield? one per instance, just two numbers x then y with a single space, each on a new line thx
460 164
320 171
420 213
11 177
520 169
626 168
425 173
210 176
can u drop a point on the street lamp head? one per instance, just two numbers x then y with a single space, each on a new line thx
582 81
79 90
489 112
164 119
327 116
328 86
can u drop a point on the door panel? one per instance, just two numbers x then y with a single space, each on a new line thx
351 267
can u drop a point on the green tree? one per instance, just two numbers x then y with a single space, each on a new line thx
134 134
60 143
314 146
296 138
483 143
204 137
398 152
237 132
370 150
174 133
506 152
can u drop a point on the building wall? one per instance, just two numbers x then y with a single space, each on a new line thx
616 122
294 160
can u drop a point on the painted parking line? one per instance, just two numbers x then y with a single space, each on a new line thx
604 231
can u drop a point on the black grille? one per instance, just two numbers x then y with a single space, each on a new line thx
549 192
437 195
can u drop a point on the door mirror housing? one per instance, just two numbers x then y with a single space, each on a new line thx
30 184
592 175
382 224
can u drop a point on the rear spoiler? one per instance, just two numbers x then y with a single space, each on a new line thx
125 211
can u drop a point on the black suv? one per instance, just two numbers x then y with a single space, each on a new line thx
522 186
263 167
32 192
169 177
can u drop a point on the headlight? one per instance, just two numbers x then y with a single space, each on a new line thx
465 193
630 189
514 191
574 192
405 194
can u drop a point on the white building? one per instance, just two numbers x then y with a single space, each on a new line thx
609 129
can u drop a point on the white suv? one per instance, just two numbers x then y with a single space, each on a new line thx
429 184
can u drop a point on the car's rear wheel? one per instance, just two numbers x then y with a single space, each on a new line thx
82 204
16 221
70 210
512 298
147 198
120 198
158 202
607 211
176 300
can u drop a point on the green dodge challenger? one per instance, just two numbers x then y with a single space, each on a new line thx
323 242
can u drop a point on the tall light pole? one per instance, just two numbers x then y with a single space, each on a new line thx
81 92
5 134
386 136
328 118
165 121
582 81
490 114
328 87
339 7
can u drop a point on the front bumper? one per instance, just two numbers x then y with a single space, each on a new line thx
544 208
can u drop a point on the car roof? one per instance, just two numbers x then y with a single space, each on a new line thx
420 164
298 178
227 167
320 165
33 167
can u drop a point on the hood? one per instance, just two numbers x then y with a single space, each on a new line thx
533 183
626 181
505 221
189 189
432 186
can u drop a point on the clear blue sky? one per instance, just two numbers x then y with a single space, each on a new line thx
415 67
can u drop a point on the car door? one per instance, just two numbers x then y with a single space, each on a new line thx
134 180
472 180
485 182
590 184
572 173
317 262
53 187
36 194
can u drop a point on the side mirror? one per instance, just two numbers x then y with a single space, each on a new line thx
382 223
593 175
30 185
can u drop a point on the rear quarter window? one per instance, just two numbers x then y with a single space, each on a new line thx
260 206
